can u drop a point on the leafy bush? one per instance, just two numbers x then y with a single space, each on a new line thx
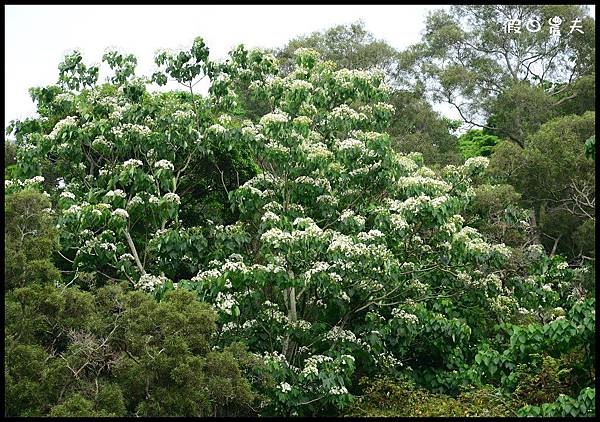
384 397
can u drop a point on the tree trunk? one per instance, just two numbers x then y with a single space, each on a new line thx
289 295
534 226
134 252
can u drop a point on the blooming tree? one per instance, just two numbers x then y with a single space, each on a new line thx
344 255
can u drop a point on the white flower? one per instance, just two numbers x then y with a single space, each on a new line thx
405 316
535 251
66 122
172 197
136 200
73 209
276 237
108 246
217 128
475 165
276 117
421 183
65 96
385 107
117 192
68 195
225 302
181 114
34 180
225 119
150 282
120 212
285 387
348 217
138 129
524 311
338 334
270 216
164 164
303 120
133 163
248 131
398 223
351 143
336 391
299 84
344 112
276 147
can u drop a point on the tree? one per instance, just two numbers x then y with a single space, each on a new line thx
344 258
415 126
29 236
346 252
557 180
477 142
469 60
123 155
115 352
349 46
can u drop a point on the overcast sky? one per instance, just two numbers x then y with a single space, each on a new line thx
37 37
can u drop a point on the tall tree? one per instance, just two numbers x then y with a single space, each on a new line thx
415 126
472 59
557 180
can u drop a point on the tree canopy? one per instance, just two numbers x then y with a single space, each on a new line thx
262 248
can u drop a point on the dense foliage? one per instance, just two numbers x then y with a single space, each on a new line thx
269 248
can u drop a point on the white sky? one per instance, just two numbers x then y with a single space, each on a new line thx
37 37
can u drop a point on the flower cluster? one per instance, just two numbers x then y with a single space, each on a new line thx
120 212
217 129
101 142
164 164
68 121
405 316
132 163
428 184
172 197
225 302
150 282
476 165
115 193
277 117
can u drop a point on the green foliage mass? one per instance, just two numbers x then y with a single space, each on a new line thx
477 142
387 398
30 239
110 352
259 249
556 179
415 126
116 353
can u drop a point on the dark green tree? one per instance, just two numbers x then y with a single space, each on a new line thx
557 180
